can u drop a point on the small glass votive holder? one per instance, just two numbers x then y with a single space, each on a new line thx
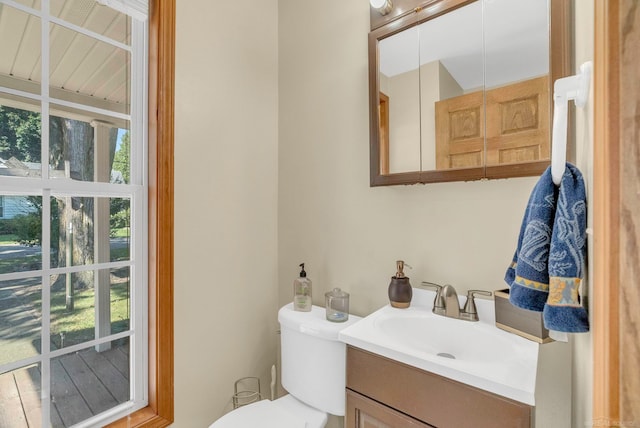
337 305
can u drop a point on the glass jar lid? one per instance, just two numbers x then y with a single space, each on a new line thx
336 292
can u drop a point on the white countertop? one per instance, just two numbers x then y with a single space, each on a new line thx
486 357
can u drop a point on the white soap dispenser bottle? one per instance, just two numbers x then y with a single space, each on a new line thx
302 292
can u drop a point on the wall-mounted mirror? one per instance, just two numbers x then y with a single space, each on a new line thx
460 90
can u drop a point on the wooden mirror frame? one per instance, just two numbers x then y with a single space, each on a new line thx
409 13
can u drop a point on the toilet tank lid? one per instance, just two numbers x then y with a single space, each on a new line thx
313 323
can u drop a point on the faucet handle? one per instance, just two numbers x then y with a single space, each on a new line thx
438 287
438 302
470 304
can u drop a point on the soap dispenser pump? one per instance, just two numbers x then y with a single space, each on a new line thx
302 297
400 291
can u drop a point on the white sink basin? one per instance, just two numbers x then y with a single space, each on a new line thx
431 335
475 353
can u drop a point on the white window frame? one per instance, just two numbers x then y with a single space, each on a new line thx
137 190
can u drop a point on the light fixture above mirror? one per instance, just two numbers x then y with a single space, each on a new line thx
382 6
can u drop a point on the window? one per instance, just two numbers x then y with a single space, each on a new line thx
72 145
1 206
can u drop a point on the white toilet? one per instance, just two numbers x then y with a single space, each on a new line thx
313 372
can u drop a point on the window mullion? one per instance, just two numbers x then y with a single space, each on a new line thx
22 7
90 109
44 90
139 354
45 342
89 33
138 101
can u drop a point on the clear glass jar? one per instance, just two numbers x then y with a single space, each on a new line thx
337 305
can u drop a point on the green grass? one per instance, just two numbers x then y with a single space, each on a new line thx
119 254
78 325
20 264
120 233
34 262
10 239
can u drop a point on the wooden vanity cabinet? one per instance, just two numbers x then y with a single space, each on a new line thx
382 393
362 412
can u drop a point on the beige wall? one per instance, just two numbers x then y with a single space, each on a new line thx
225 202
412 114
436 84
404 122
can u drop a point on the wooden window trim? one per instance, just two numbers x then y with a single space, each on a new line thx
160 413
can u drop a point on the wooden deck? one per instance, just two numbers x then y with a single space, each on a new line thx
83 384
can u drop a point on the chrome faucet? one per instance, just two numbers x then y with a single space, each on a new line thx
446 302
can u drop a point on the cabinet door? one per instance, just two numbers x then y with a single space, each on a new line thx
427 397
365 413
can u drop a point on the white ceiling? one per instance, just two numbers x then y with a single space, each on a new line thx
79 66
514 43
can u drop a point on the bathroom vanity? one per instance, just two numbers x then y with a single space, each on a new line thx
383 392
413 368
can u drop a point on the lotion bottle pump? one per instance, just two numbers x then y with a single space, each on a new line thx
302 298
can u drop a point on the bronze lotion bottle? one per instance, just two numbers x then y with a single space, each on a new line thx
400 291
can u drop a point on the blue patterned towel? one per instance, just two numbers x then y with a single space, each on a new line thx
546 270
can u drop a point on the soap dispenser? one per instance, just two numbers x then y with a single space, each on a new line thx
302 292
400 291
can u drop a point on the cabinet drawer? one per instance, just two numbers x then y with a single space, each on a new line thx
363 412
431 398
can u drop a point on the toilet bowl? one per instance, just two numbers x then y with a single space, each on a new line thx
313 372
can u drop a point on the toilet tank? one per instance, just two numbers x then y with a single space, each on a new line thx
313 359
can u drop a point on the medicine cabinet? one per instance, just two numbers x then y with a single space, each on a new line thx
462 90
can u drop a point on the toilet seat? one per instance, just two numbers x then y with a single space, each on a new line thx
285 412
